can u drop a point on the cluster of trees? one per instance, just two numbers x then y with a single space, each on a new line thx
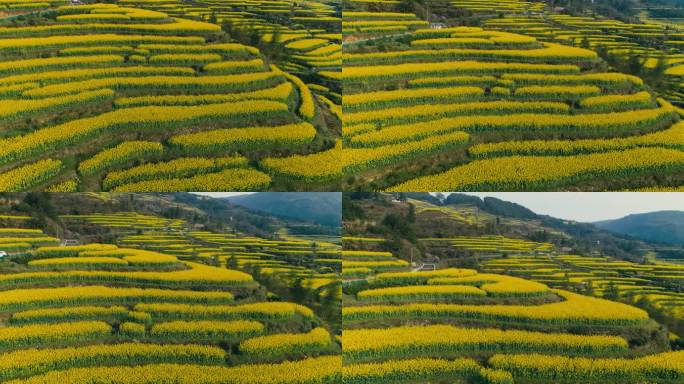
634 65
665 9
218 214
325 302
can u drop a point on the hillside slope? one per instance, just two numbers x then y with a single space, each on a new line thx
663 227
438 292
204 212
424 107
123 97
161 300
324 208
471 216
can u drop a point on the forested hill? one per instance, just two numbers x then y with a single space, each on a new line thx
663 227
45 210
318 207
438 215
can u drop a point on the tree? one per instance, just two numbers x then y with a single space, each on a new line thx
635 65
298 291
585 43
232 263
330 304
39 206
256 273
602 51
589 288
657 75
398 226
274 48
611 292
661 66
40 203
411 217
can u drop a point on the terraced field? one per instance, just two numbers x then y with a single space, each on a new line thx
308 32
365 25
22 240
492 243
466 216
123 97
102 312
658 46
469 108
361 263
654 286
314 265
303 38
178 95
127 221
459 324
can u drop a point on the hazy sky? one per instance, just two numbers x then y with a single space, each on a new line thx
586 207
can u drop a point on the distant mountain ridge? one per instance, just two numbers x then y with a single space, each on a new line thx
662 227
324 208
201 212
619 237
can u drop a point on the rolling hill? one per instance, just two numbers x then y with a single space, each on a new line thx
155 96
507 96
322 208
662 227
140 298
435 292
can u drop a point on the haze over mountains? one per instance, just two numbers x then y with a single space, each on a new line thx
210 212
322 208
666 227
662 227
